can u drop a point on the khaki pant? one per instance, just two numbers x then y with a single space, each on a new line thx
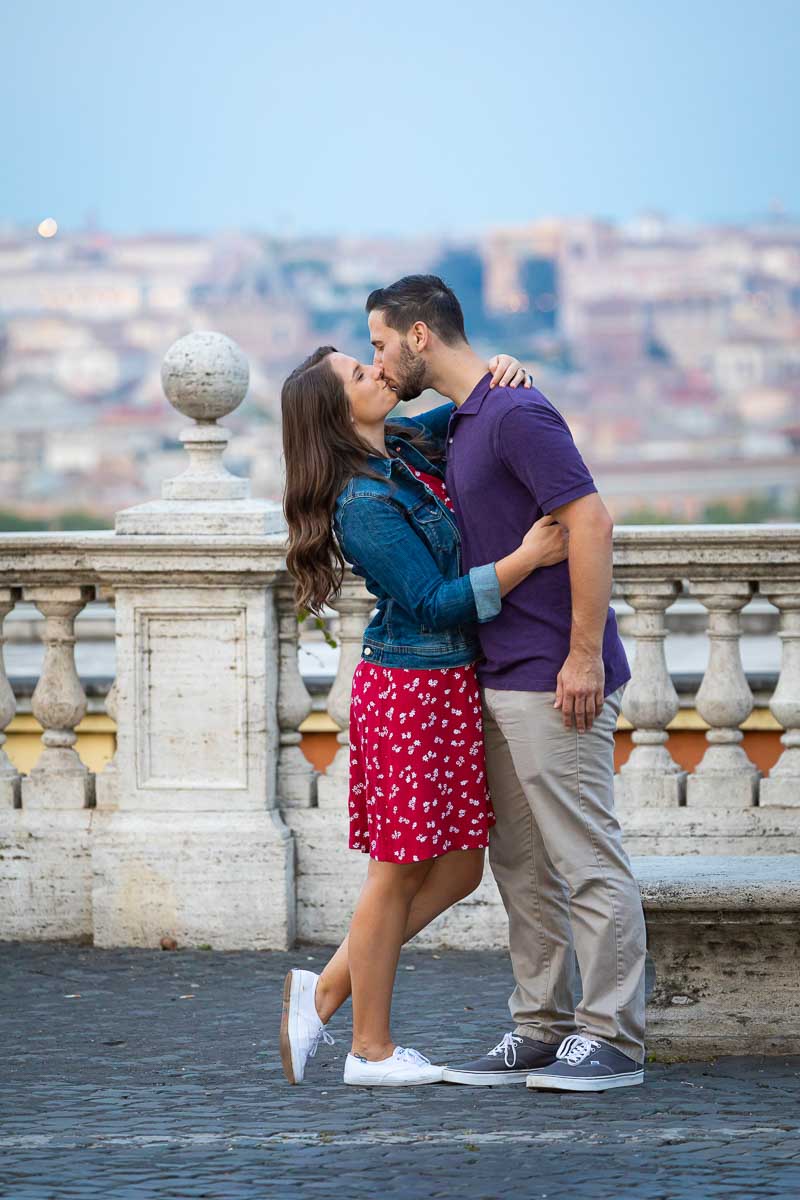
565 880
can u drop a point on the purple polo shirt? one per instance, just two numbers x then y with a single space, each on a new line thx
510 460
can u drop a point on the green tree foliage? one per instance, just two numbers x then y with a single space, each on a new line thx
14 522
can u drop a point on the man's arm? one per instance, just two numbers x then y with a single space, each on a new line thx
580 682
534 442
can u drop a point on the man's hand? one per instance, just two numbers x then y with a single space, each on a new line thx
579 689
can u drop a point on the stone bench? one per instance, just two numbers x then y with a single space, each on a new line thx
724 936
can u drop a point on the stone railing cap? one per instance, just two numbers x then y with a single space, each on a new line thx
730 883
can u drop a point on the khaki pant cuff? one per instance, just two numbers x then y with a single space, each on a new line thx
539 1035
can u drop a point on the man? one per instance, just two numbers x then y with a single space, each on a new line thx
551 681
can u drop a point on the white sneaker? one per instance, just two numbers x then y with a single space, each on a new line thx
404 1068
301 1028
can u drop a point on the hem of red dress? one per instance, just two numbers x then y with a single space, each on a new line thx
420 857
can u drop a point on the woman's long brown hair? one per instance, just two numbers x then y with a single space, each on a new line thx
322 452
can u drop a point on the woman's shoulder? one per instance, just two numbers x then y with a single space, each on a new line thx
366 489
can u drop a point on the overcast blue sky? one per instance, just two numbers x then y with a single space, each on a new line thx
394 118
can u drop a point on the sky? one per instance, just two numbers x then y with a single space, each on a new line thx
315 116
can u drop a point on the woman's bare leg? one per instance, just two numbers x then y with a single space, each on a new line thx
374 941
450 878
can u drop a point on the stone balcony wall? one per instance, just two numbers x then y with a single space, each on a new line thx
210 824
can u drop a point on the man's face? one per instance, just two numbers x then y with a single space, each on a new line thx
404 371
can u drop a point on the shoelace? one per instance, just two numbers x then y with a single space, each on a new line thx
321 1036
506 1047
575 1049
406 1054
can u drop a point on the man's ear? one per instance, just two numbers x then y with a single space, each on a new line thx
419 336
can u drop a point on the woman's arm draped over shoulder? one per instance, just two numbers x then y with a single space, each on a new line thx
434 422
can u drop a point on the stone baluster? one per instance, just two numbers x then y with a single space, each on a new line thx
9 775
106 794
650 777
296 776
782 786
59 779
354 604
726 778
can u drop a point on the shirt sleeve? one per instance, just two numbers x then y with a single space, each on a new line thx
382 547
534 442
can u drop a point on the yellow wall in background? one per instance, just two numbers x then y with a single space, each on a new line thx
97 740
95 745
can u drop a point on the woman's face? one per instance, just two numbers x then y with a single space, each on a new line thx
371 399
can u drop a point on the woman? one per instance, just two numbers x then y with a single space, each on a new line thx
372 493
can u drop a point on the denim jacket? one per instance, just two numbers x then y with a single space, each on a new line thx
405 544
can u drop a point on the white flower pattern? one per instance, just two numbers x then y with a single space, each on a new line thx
396 707
413 808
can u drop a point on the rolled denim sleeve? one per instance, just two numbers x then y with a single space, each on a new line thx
486 589
380 545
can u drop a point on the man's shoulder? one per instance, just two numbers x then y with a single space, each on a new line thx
530 403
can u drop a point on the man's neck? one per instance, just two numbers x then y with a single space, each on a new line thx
457 372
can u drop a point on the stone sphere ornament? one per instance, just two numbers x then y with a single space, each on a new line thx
205 376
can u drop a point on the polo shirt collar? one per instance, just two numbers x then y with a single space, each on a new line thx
475 399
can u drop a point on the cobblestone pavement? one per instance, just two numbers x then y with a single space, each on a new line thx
141 1073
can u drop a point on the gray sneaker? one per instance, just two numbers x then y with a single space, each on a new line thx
509 1062
586 1065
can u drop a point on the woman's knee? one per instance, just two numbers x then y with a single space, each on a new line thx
469 872
398 879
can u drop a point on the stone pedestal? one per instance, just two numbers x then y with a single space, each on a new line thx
194 846
223 879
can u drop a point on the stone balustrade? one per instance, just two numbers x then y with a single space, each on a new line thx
724 800
209 824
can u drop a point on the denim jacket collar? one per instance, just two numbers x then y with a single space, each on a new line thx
404 451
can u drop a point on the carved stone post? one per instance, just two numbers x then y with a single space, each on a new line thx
782 786
353 605
296 776
59 779
9 775
196 848
726 778
650 777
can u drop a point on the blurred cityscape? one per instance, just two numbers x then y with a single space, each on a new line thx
672 350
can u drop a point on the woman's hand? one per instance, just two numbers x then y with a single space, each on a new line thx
546 542
508 372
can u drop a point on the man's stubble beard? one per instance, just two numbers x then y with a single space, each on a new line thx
412 374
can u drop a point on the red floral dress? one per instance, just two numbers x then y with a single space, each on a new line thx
417 766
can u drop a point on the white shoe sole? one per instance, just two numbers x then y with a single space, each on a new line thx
391 1082
559 1083
292 986
286 1046
484 1078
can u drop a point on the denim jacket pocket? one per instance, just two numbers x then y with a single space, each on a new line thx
426 512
